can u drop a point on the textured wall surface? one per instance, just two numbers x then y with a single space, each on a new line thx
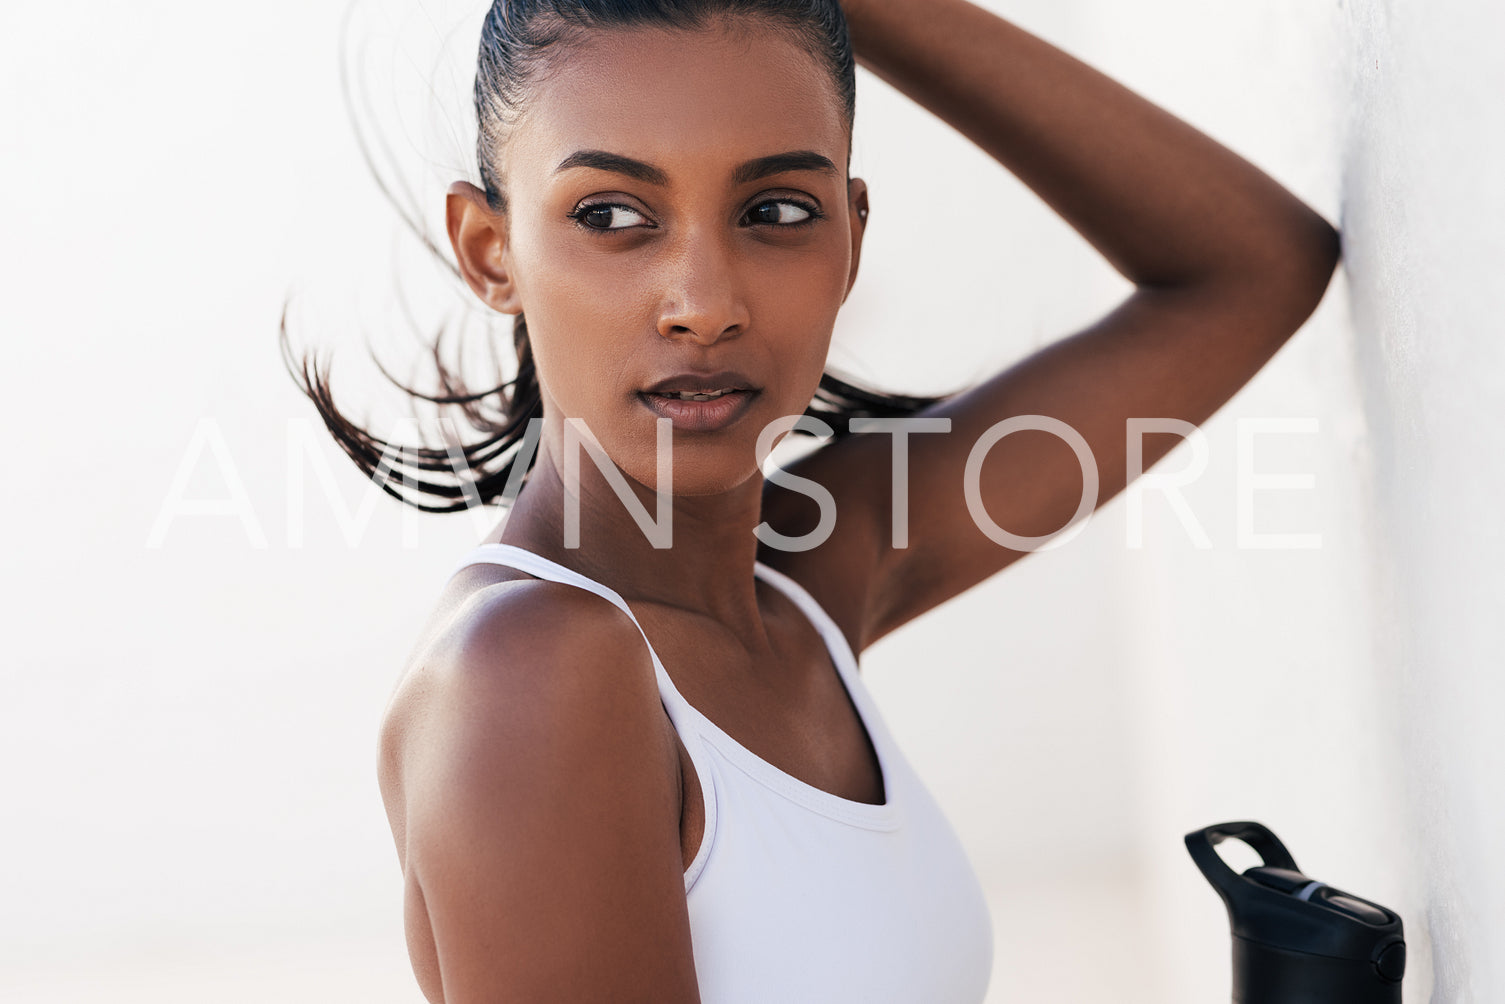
1424 208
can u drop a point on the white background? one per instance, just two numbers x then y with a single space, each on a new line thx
187 732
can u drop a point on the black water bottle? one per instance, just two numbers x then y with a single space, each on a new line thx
1296 940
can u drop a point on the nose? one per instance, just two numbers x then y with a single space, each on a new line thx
703 300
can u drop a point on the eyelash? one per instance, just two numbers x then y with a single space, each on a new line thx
579 213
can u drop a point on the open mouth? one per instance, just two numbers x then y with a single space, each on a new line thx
699 410
696 395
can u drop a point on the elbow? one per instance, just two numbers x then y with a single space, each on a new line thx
1326 253
1315 258
1288 279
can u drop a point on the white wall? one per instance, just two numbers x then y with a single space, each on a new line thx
1424 205
187 738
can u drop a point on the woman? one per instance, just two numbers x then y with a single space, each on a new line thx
632 765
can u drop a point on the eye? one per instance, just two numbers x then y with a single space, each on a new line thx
784 213
603 216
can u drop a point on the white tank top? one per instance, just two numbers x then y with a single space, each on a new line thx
799 896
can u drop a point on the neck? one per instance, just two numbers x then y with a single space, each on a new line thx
706 570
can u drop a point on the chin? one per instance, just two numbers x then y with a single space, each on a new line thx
704 473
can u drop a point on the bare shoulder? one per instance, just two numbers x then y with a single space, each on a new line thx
531 778
530 655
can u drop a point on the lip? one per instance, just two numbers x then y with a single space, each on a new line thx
700 416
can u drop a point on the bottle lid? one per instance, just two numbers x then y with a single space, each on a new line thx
1275 904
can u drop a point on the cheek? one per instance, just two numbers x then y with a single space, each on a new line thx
579 313
796 303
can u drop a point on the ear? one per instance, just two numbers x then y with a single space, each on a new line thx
478 234
857 217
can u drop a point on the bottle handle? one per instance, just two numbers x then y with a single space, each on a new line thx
1223 878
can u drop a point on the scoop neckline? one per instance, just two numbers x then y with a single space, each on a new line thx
869 814
884 815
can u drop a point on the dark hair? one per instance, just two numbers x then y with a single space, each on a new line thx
517 39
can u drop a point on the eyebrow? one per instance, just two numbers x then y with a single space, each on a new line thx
752 170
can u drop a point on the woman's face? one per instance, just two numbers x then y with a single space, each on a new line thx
656 227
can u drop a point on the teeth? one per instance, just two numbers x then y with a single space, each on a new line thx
685 395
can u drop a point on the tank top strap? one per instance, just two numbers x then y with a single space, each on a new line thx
681 713
847 668
544 568
841 652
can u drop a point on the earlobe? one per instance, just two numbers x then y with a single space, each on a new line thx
857 211
478 235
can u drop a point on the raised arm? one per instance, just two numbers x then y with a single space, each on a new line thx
1228 265
535 801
